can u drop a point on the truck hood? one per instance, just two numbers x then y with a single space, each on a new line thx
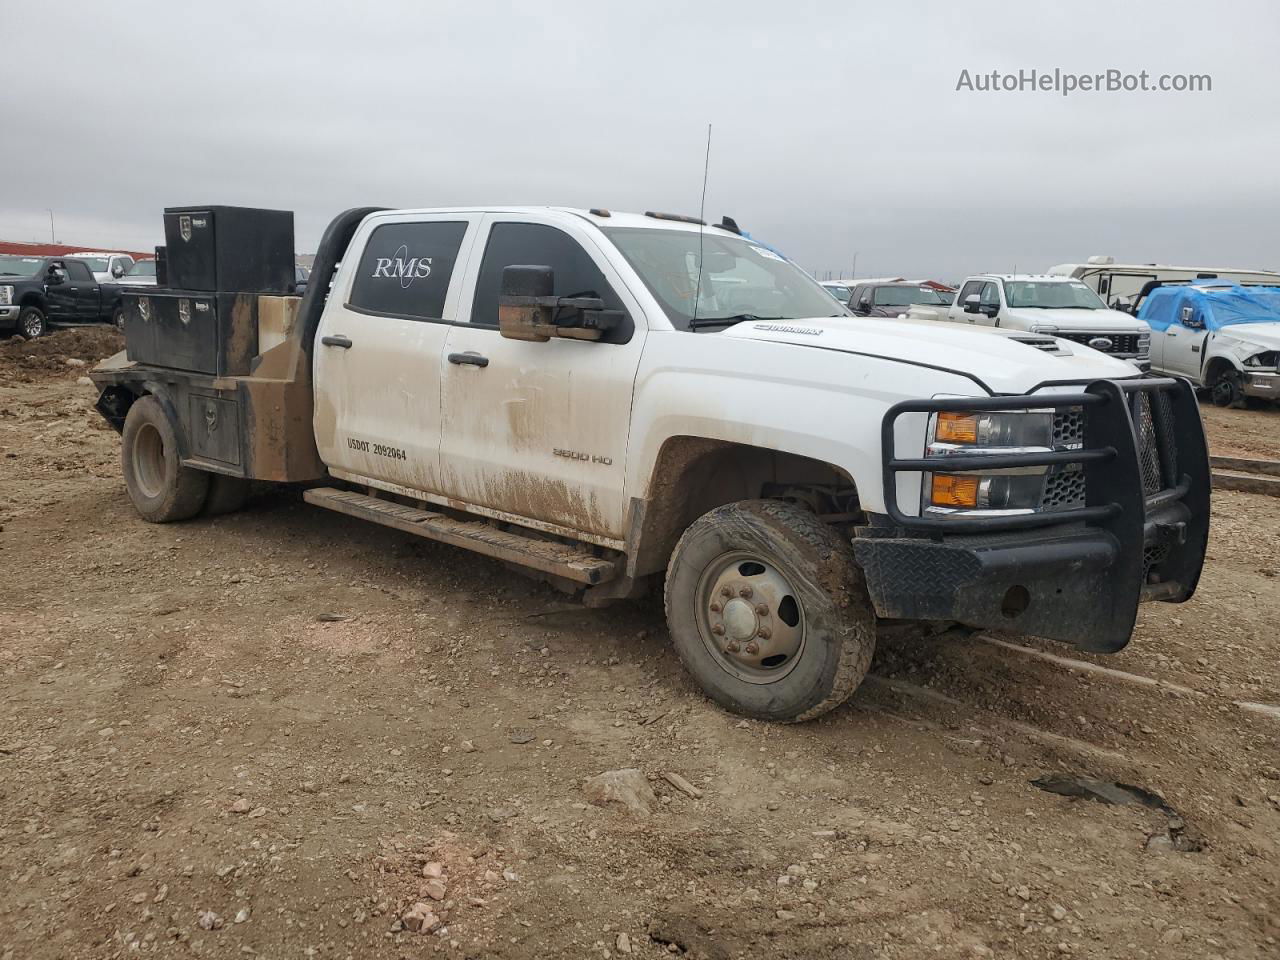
1250 338
1002 364
1102 321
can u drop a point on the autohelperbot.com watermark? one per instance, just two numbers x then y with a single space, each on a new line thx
1065 82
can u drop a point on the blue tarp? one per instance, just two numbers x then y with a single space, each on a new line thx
1216 307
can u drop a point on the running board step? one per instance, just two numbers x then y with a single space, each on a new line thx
548 556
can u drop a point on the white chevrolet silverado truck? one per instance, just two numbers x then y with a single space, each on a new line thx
622 402
1058 306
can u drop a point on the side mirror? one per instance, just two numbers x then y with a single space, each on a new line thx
1193 322
117 270
971 303
989 309
527 310
863 306
55 276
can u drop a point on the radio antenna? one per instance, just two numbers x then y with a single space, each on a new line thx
702 223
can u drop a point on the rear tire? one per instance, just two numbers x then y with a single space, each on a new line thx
161 488
226 494
768 611
32 323
1228 389
117 318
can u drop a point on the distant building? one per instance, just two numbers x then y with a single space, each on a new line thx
23 249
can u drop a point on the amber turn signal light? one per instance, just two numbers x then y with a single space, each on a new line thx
957 428
954 490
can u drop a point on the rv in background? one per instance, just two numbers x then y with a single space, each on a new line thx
1120 283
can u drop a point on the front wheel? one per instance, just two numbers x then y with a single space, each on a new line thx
32 323
1228 389
768 611
117 318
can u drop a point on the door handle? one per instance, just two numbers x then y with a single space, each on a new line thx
337 341
474 359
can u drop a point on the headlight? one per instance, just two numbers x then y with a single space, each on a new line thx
1144 344
992 430
1048 328
6 295
1268 359
976 433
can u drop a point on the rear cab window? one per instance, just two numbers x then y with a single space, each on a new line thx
405 269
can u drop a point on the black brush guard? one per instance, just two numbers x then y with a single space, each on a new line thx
1075 574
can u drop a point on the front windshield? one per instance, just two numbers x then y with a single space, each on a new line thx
96 264
143 268
19 266
1047 296
739 280
905 296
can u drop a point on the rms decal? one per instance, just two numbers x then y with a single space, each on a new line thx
403 267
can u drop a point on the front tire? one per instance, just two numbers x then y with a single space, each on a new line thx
768 611
32 323
117 318
1228 389
161 488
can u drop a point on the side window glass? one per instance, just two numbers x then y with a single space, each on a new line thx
968 290
405 268
575 273
989 298
78 271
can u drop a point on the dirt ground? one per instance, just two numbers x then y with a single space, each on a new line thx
253 736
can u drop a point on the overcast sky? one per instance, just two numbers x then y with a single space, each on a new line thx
837 126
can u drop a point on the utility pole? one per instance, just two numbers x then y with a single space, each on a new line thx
855 266
53 238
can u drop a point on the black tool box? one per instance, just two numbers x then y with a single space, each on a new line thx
212 333
218 248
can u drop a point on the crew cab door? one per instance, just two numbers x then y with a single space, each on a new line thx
1184 343
538 430
957 313
61 295
380 345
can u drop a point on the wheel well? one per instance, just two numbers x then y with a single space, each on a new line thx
32 300
1217 366
114 403
694 475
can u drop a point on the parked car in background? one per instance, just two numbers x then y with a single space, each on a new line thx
895 299
1222 336
141 274
106 266
838 289
36 292
1120 284
1060 306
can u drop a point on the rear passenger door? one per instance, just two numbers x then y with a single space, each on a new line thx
539 430
84 291
379 349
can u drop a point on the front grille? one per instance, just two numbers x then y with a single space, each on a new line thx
1120 342
1063 490
1068 428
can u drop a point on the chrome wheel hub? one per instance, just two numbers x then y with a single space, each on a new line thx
750 618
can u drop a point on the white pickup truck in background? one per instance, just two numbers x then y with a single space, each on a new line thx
623 402
1058 306
1221 336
